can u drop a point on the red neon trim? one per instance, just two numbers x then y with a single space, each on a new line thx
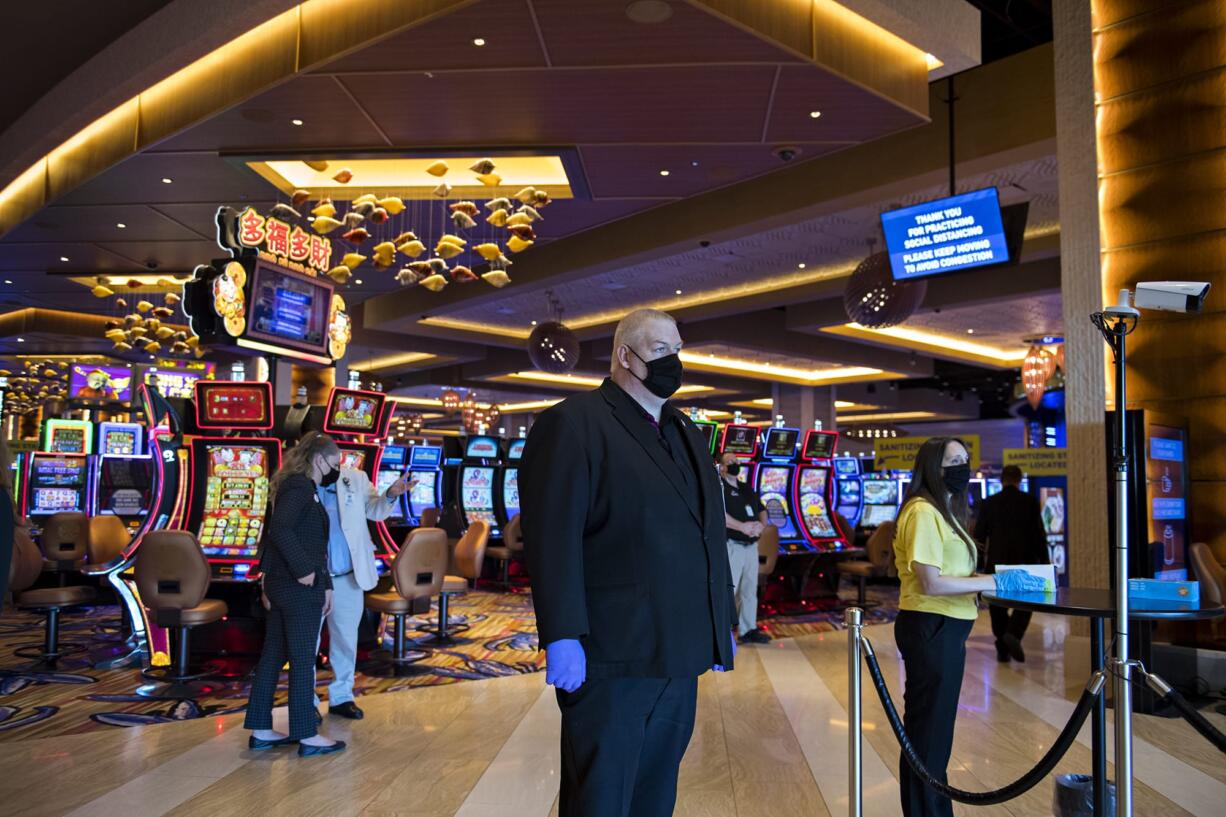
205 385
379 397
723 444
834 446
827 495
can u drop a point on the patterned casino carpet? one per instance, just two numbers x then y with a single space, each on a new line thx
79 698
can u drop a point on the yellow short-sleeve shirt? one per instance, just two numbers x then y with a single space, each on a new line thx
922 535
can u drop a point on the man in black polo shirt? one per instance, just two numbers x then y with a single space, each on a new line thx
624 535
744 517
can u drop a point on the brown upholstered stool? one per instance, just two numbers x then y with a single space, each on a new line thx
876 564
512 546
417 573
172 577
430 517
64 542
108 536
469 557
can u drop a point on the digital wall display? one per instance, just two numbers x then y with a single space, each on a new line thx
425 456
101 383
1166 488
742 440
510 493
481 448
814 511
773 484
819 445
289 309
223 405
956 233
235 499
477 493
69 436
353 412
57 483
781 443
120 439
516 449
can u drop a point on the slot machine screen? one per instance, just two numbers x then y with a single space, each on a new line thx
516 450
355 459
849 491
120 439
425 456
874 515
69 436
57 483
481 448
424 493
386 480
880 492
510 492
813 508
289 309
773 491
781 443
819 446
235 499
741 440
477 495
124 485
847 466
353 412
223 405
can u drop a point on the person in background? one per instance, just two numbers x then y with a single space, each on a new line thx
624 537
936 560
8 519
298 593
349 502
1011 525
745 518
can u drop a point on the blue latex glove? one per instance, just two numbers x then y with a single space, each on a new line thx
1018 581
720 667
565 664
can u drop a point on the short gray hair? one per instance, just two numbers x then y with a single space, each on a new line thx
630 329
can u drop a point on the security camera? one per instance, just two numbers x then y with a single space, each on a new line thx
1171 296
704 243
786 154
151 264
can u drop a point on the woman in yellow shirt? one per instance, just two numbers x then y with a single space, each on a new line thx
936 560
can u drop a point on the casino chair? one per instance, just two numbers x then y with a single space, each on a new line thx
64 543
1212 577
430 517
512 545
469 556
108 536
172 576
768 552
418 572
879 559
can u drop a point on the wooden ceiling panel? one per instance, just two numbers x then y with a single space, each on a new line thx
675 104
446 43
330 120
86 258
848 113
194 177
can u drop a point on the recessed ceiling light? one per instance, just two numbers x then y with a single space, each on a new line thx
800 266
7 281
21 340
64 258
297 122
815 114
479 41
694 163
121 225
358 281
970 331
166 180
663 172
534 323
678 292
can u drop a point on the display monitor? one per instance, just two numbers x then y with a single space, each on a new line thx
68 436
103 384
882 491
1166 489
780 443
124 485
481 448
847 466
424 494
351 411
811 489
57 482
515 451
173 381
773 484
740 440
477 494
849 491
385 480
353 458
819 445
874 515
947 235
425 456
289 309
235 496
394 458
223 405
510 493
120 439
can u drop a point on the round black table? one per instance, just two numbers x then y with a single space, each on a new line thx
1098 605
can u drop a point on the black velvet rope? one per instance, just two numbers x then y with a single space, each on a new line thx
1197 720
986 798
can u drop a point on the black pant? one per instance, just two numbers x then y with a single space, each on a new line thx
933 650
622 744
1006 621
291 632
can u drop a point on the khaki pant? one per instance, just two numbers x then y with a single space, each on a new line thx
743 560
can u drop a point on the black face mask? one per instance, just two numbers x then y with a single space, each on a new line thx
733 469
663 375
957 478
330 477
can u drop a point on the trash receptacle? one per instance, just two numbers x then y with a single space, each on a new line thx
1074 796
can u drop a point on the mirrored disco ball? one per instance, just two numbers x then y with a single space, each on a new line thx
553 348
874 299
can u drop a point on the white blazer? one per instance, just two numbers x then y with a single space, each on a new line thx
357 501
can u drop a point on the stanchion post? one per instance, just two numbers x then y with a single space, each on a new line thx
854 618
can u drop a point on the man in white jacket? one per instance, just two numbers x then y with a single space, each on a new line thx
350 501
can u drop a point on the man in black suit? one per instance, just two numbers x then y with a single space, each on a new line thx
623 524
1011 525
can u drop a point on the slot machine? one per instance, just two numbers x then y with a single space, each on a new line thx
881 493
55 482
352 417
425 466
476 482
393 462
123 478
510 479
742 441
710 433
68 436
814 491
849 501
774 482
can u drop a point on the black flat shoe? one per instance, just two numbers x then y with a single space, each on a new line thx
758 637
1002 654
348 710
259 745
311 751
1014 645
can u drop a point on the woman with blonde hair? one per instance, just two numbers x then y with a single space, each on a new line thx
298 588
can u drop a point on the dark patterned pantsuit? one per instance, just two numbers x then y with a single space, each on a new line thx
292 634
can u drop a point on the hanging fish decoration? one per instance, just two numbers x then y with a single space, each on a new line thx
517 244
122 346
164 333
443 190
318 165
344 177
490 179
438 266
447 250
102 291
500 203
434 283
340 273
115 335
325 209
501 262
412 248
488 251
496 278
394 205
152 346
462 220
462 275
438 169
379 215
366 208
300 197
123 304
353 260
454 239
531 212
172 299
163 311
407 235
325 224
541 199
356 236
143 306
527 195
364 199
353 220
523 231
420 268
466 207
517 219
482 166
384 254
408 277
498 218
